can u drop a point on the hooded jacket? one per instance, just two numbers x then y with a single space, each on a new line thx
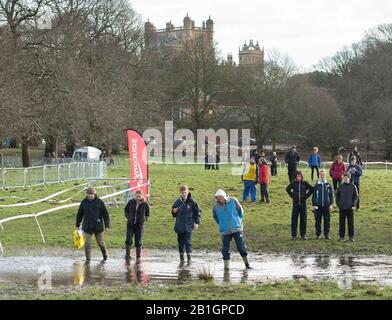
137 214
314 160
229 216
356 173
264 177
322 194
299 191
337 170
188 214
94 215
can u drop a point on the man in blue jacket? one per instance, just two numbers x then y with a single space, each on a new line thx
314 162
322 201
356 173
187 214
229 215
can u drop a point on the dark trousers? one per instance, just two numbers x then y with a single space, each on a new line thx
134 232
240 242
336 184
274 170
299 209
264 192
291 173
349 215
317 170
184 242
320 214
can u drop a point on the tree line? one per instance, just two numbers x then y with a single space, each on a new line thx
89 76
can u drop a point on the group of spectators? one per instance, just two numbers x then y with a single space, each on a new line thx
228 213
345 189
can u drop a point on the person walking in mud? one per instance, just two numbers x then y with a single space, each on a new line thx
95 217
188 214
229 214
137 211
299 190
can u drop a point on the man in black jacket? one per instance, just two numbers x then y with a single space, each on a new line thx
299 190
136 211
292 159
95 217
346 200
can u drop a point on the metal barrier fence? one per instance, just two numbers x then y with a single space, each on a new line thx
28 177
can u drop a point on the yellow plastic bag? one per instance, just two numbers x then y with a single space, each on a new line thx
78 239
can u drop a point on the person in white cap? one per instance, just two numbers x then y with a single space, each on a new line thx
228 214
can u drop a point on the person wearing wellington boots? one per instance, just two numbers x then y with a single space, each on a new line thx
137 211
188 214
95 217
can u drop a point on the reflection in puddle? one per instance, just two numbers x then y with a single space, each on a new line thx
161 267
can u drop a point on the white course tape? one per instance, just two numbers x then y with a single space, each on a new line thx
40 200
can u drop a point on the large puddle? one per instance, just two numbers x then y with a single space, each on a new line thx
67 268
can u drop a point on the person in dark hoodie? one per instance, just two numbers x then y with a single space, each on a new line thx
137 211
274 164
322 201
292 159
299 190
346 200
188 215
95 217
356 173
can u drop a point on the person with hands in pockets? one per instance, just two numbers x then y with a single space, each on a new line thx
188 214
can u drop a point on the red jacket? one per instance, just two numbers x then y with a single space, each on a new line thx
263 173
337 170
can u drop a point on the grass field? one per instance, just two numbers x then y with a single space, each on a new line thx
267 227
290 290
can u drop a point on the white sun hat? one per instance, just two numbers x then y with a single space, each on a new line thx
220 192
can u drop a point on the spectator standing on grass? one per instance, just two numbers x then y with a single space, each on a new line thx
299 190
356 173
355 153
292 159
346 200
188 214
229 214
274 164
264 181
137 211
322 201
336 172
250 176
95 217
314 162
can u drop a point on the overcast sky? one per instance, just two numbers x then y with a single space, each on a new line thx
306 30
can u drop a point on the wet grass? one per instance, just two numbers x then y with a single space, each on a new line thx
267 227
290 290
